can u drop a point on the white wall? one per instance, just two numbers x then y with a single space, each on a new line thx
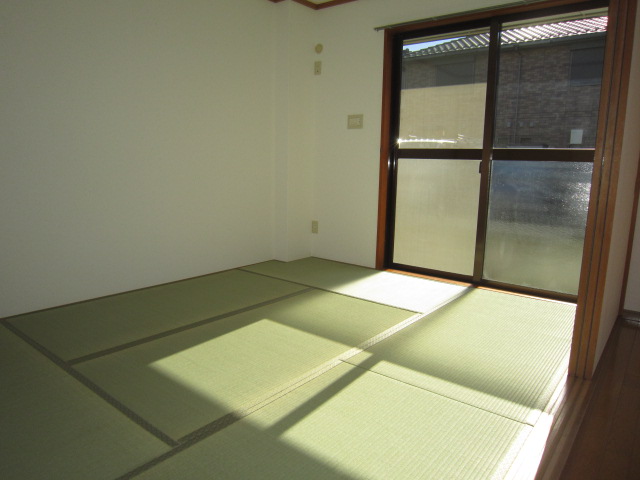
294 129
624 202
136 144
144 142
632 299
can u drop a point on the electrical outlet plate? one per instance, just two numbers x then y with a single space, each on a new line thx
314 226
355 121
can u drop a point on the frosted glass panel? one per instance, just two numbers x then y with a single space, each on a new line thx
442 99
436 214
537 218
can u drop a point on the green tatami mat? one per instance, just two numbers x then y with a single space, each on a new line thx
83 328
52 427
402 291
183 382
503 353
351 423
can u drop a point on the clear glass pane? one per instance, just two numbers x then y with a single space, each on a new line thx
537 218
443 93
436 214
549 82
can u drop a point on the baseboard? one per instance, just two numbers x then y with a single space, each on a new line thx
631 316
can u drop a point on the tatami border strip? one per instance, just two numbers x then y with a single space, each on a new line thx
183 328
130 414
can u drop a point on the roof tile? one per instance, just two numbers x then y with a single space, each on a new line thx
517 35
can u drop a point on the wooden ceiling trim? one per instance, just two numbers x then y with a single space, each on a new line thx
317 6
333 3
307 3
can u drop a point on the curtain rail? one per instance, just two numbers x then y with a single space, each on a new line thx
451 15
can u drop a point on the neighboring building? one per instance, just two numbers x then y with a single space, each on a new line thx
561 63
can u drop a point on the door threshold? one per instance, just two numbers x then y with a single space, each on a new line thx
429 277
524 292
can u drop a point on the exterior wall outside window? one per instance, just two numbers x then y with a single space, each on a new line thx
566 118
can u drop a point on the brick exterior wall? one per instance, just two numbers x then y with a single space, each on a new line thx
538 105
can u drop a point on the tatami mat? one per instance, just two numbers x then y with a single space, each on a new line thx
402 291
307 369
504 353
83 328
52 427
351 423
183 382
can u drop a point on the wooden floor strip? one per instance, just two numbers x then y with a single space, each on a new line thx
605 418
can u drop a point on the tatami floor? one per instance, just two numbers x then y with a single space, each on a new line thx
306 369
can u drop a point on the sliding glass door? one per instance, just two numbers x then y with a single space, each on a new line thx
495 129
441 120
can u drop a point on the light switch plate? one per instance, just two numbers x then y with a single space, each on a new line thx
355 121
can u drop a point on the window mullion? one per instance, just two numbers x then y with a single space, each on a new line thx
487 146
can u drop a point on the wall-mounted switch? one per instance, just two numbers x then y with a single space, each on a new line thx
317 67
355 121
314 226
